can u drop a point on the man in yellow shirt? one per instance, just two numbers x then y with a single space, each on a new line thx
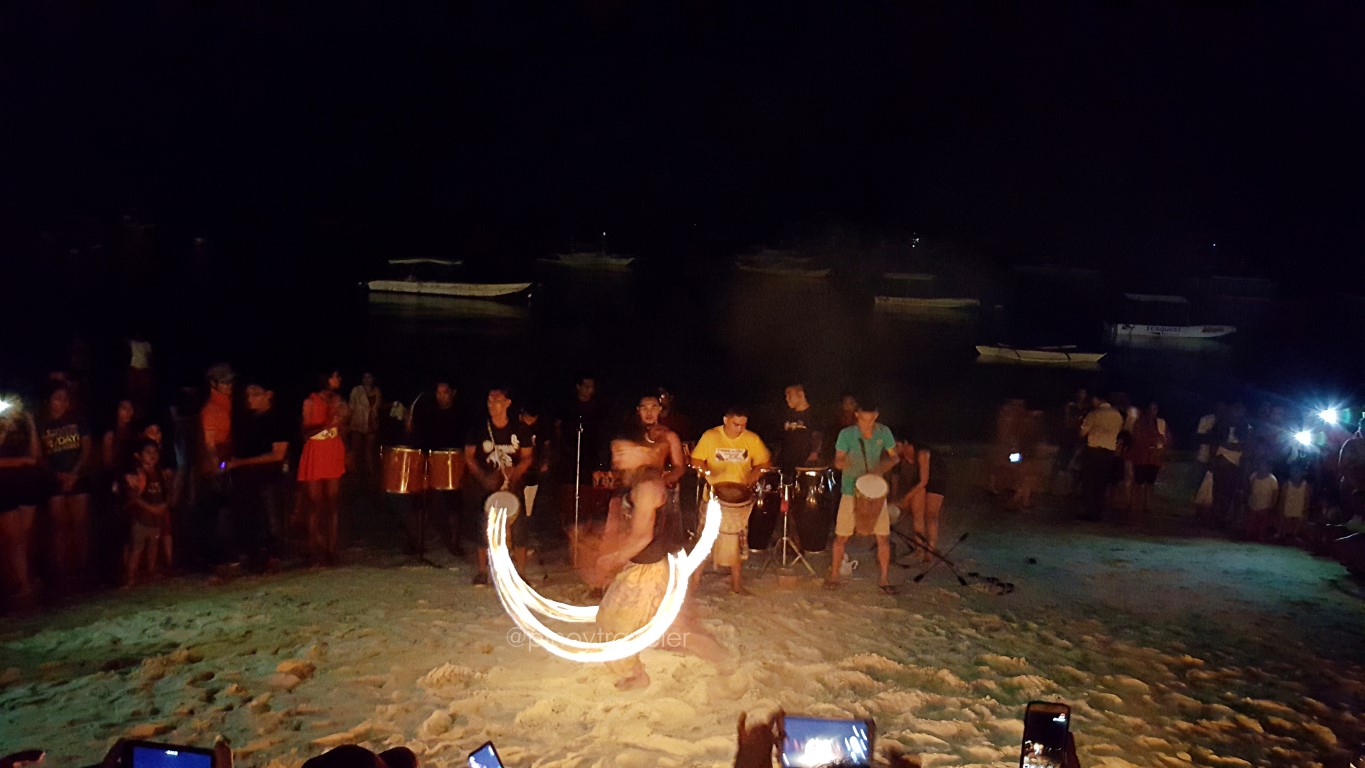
731 453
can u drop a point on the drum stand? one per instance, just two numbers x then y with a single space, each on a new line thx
786 541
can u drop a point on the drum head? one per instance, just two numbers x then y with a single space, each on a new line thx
503 499
872 486
732 493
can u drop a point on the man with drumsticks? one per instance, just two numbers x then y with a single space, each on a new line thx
497 454
864 450
732 454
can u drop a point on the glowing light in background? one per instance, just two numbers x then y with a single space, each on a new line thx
1330 415
522 603
1304 437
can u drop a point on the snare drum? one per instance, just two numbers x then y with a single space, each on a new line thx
736 502
811 507
444 470
869 501
404 469
767 509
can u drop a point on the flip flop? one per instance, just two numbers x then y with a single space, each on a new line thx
888 589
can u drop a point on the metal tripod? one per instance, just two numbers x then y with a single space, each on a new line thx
786 542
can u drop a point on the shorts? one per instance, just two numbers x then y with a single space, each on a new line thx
844 523
79 488
142 535
936 486
24 487
1145 474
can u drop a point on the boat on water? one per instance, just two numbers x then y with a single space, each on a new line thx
1056 355
594 261
444 288
914 304
437 277
910 277
1163 316
1171 331
778 269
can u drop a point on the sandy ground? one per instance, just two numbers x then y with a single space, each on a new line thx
1173 649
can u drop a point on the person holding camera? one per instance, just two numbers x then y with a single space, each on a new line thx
22 487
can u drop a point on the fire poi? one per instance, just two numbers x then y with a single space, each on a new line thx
523 603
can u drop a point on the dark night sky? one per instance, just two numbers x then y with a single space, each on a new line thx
1086 131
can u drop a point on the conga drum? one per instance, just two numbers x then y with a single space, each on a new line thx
810 507
767 509
404 469
736 502
869 500
445 469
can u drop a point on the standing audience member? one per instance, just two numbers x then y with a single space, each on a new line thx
260 444
1032 464
1295 497
139 380
1100 430
497 455
1262 496
152 432
1149 444
210 526
66 454
1229 437
23 485
579 434
539 431
118 444
365 402
867 447
1350 473
1009 425
1069 440
321 466
146 493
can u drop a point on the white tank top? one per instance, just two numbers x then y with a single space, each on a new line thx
1295 499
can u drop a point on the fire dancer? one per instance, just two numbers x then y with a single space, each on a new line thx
639 537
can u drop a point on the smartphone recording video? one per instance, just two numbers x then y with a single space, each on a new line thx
1046 725
485 757
146 754
808 742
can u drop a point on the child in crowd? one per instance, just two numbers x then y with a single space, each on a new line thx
1294 500
146 494
1262 495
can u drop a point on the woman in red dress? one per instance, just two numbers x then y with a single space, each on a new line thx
321 466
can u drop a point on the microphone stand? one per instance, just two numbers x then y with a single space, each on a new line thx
577 488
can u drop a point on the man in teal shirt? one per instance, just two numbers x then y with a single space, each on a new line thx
866 448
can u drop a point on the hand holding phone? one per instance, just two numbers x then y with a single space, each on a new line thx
811 742
1047 731
485 757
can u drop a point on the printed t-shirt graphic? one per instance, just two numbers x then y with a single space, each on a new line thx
730 459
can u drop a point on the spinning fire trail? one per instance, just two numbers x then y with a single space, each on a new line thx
522 603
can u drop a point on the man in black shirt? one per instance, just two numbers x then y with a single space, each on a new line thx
497 457
540 467
802 439
260 442
583 411
436 426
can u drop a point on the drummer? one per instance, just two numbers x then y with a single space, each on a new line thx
434 424
866 447
802 438
731 453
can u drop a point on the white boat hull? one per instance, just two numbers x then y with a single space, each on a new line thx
1174 331
1025 355
910 304
476 290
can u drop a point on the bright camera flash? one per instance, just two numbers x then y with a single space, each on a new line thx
1015 458
1304 437
1329 415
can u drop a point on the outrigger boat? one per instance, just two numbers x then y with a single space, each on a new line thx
428 277
1063 355
1169 308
